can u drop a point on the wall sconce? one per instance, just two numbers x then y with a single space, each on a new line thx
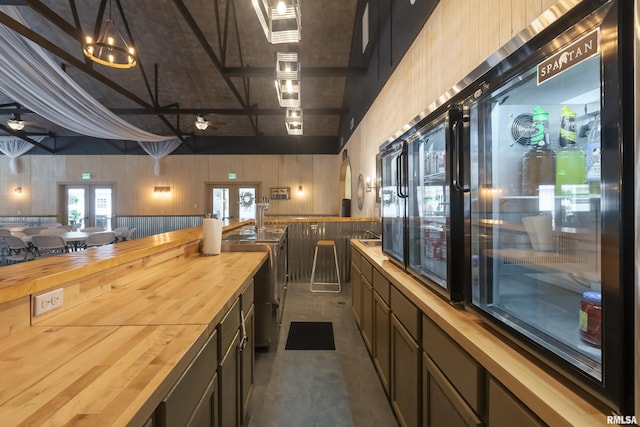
300 189
161 189
18 191
370 187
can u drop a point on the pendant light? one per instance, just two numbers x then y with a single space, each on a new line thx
110 48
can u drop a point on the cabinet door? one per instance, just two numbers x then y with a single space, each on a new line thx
356 294
442 404
180 403
367 314
229 388
405 375
247 368
381 339
505 410
206 413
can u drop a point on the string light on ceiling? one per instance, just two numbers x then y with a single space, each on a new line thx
110 47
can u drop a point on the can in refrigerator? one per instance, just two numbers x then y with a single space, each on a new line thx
591 318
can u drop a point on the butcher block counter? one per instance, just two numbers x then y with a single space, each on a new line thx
135 315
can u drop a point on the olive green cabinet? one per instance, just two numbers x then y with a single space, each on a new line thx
506 411
442 404
381 339
356 294
430 379
190 400
229 367
247 368
405 374
367 314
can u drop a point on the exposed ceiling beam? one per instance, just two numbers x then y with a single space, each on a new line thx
72 60
304 71
214 59
25 136
225 111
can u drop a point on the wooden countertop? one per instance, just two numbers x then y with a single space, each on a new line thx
196 291
19 280
111 359
555 402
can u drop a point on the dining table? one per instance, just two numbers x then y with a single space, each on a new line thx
73 239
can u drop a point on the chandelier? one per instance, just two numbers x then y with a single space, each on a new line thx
110 48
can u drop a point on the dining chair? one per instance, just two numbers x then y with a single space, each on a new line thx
51 225
18 250
100 238
49 231
5 232
66 227
129 235
32 231
49 244
92 229
121 233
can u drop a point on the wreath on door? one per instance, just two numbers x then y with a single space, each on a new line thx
246 200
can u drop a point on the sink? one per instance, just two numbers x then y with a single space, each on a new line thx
371 242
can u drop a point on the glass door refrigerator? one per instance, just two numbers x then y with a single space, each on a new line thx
551 178
432 199
393 200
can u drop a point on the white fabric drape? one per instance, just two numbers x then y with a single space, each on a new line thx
14 147
158 150
30 76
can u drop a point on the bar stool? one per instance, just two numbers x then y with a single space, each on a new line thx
319 244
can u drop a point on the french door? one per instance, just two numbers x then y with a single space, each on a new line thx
87 205
233 201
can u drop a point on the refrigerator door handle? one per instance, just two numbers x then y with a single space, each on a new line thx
398 176
457 175
402 168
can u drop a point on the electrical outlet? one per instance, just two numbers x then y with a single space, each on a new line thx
47 301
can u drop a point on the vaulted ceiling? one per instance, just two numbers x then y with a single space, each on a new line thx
206 57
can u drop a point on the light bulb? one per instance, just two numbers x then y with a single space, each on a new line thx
281 7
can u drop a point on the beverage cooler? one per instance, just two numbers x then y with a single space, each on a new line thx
420 163
520 196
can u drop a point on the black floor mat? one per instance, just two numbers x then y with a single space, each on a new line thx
310 336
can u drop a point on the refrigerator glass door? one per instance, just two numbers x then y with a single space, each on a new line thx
393 203
536 206
429 205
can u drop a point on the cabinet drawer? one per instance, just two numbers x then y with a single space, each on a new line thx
247 298
227 328
367 270
505 410
381 285
466 375
406 312
181 401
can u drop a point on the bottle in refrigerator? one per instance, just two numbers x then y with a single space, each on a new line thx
570 160
538 165
593 162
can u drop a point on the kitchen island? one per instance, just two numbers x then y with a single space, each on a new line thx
137 318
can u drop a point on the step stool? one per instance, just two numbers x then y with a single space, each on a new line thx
335 286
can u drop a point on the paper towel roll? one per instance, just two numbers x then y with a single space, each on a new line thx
211 236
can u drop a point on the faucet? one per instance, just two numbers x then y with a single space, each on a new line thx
263 206
372 234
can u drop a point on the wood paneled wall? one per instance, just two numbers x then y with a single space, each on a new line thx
458 37
133 179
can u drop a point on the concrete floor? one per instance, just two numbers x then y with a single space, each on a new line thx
318 388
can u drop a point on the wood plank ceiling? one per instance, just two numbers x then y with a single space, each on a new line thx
207 57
